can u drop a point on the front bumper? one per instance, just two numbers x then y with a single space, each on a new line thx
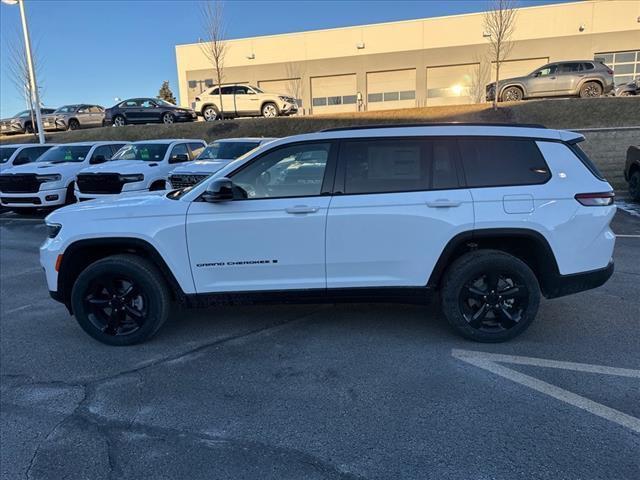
186 117
560 285
83 197
289 109
52 125
40 199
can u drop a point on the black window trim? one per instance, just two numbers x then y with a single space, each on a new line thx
326 189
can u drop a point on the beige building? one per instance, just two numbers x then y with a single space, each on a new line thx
430 61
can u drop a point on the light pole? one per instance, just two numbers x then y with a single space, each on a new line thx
35 100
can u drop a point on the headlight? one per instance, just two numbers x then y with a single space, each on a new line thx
136 177
284 99
15 120
56 177
53 229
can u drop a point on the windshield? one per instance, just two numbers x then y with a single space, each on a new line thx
226 150
24 113
257 90
64 153
5 153
67 109
149 152
159 101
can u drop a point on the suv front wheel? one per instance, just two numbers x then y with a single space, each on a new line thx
120 300
490 296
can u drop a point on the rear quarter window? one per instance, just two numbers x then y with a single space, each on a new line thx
495 162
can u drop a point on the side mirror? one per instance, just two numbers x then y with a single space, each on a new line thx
179 158
219 190
21 160
98 159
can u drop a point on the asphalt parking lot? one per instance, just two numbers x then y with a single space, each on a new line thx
318 392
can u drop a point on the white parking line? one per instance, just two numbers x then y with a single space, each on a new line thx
489 362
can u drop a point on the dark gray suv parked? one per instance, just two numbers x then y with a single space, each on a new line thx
73 117
21 122
575 78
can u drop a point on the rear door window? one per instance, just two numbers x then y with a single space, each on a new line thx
398 165
493 162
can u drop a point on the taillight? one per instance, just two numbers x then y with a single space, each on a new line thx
601 199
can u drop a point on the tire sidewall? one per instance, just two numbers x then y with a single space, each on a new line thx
215 110
472 265
583 90
634 186
265 106
158 305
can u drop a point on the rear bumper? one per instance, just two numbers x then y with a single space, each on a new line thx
561 285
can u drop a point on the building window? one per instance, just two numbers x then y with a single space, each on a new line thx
333 100
625 65
319 101
192 84
348 99
391 96
208 82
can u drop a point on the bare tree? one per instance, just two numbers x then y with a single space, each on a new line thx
18 71
214 46
499 23
479 78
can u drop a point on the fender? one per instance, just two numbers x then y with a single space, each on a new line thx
81 253
539 256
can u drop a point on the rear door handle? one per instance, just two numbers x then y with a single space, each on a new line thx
443 203
298 209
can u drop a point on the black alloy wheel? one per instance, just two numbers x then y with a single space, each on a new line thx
490 295
116 305
121 299
494 301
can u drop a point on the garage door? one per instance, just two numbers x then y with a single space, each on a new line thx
517 68
333 94
396 89
451 84
291 87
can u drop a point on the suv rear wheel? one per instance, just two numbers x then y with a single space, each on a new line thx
120 300
210 113
591 89
490 296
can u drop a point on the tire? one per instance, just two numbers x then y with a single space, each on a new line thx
119 121
634 186
70 196
269 110
110 294
168 118
28 127
590 90
484 314
73 124
512 94
210 113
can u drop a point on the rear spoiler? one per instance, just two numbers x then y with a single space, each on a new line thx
571 137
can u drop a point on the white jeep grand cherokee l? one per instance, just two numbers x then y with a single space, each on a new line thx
49 181
242 101
490 217
138 167
213 158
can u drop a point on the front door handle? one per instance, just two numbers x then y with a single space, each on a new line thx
443 203
298 209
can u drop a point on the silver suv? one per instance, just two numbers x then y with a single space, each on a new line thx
73 117
581 78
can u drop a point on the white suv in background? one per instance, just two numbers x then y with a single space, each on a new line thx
138 167
50 180
12 155
213 158
489 217
242 101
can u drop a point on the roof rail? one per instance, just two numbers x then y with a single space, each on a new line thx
435 124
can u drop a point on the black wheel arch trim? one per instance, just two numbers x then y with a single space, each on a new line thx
110 246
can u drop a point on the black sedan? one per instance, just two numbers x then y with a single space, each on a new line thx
147 110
